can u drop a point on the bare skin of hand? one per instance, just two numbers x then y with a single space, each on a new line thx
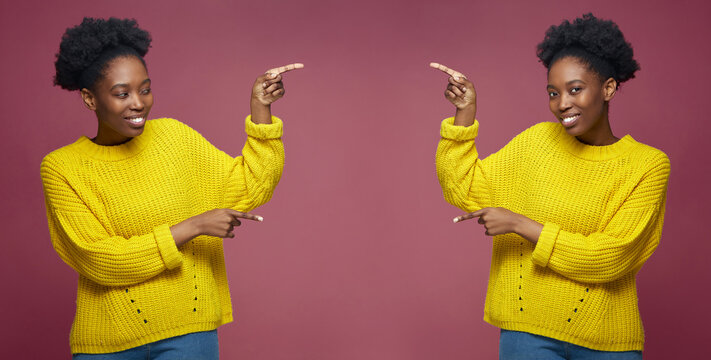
267 89
217 222
461 93
498 221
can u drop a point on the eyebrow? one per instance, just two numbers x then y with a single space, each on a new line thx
148 80
549 86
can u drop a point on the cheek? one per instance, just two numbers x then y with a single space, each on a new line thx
149 100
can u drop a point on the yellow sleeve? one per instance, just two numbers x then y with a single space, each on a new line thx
621 246
461 174
84 244
253 176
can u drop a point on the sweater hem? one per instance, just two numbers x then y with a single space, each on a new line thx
558 335
149 338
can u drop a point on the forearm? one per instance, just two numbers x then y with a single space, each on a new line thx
528 229
183 232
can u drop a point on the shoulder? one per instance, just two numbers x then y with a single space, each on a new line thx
172 126
650 159
56 162
539 133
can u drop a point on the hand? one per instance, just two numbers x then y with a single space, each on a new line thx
267 89
217 222
460 91
498 221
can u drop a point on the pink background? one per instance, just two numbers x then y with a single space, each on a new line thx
357 258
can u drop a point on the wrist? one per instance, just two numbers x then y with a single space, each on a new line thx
465 116
261 114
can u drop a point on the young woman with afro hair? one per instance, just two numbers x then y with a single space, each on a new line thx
574 210
140 210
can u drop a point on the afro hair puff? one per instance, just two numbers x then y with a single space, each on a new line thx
598 43
87 48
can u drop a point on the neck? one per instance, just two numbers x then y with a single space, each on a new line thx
601 134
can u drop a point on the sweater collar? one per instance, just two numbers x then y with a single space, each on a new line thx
133 147
592 152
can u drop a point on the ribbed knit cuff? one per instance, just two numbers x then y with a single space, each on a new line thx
544 246
166 245
264 131
458 133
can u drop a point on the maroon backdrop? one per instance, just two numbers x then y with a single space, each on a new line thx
358 257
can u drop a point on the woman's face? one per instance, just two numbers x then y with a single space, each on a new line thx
121 100
578 99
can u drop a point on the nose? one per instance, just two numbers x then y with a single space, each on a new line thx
564 103
137 103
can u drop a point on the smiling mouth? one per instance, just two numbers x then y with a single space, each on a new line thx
136 120
570 120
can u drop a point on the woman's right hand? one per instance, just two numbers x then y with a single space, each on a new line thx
217 222
461 93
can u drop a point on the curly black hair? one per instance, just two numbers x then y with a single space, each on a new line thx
598 43
87 48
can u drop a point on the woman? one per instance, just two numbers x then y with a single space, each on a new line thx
140 209
574 210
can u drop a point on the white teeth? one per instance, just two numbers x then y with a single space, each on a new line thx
136 120
569 119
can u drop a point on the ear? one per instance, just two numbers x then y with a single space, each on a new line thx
609 88
89 99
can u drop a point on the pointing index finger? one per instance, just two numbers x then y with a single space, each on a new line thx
243 215
469 216
282 69
446 70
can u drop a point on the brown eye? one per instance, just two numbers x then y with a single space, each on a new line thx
575 90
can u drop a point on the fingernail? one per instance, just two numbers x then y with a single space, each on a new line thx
464 89
272 75
264 85
455 220
259 218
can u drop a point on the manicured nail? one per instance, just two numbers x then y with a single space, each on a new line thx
455 220
259 218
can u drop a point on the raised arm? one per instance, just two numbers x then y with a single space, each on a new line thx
460 171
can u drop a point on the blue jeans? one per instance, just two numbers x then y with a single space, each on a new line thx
195 346
515 345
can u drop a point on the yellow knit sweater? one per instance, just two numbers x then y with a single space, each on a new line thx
110 209
602 208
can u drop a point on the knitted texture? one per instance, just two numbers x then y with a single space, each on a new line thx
602 208
110 208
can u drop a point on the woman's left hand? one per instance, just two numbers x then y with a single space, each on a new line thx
267 89
498 221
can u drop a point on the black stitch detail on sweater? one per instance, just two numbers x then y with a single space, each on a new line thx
194 309
132 300
575 310
581 300
521 309
145 321
568 319
139 311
